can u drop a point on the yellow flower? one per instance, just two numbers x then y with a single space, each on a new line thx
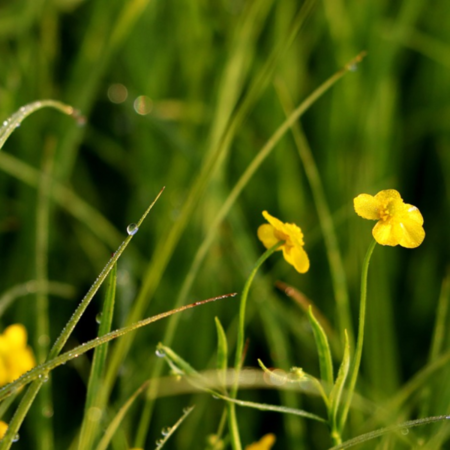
16 357
3 428
276 231
265 443
398 222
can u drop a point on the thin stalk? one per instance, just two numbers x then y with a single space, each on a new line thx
354 370
44 413
325 219
232 421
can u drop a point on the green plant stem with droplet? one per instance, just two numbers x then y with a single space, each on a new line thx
234 429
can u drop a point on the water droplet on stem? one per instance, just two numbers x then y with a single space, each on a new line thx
132 229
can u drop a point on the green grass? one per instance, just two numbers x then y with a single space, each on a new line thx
222 78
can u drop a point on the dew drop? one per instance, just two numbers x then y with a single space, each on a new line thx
16 437
405 431
215 397
5 123
98 318
159 442
132 229
186 410
160 353
43 377
166 431
353 67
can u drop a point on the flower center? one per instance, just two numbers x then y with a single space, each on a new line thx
384 211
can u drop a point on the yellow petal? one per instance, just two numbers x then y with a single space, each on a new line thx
16 336
388 195
367 206
265 443
3 428
276 223
383 233
297 257
409 232
266 234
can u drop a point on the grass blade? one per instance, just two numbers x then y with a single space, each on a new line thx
323 350
14 121
94 390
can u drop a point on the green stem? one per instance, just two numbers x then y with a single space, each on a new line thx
354 370
234 429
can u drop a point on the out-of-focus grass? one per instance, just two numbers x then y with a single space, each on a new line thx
194 63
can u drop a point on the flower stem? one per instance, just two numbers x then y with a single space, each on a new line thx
232 421
354 370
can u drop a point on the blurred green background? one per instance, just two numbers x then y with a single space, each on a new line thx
184 94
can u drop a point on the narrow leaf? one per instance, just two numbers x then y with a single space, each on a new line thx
336 392
222 352
90 422
323 350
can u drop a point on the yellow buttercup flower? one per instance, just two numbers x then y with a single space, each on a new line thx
398 222
16 357
3 428
265 443
276 231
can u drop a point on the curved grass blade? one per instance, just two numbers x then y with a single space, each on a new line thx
323 350
200 382
89 426
336 392
377 433
62 290
170 431
14 121
326 221
115 423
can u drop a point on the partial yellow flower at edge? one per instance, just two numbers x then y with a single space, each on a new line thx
3 428
276 231
16 357
398 223
265 443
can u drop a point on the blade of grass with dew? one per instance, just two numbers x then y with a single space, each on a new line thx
238 188
42 369
56 288
14 121
325 218
42 419
336 393
118 418
377 433
168 432
64 197
90 424
164 251
32 391
222 351
323 350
